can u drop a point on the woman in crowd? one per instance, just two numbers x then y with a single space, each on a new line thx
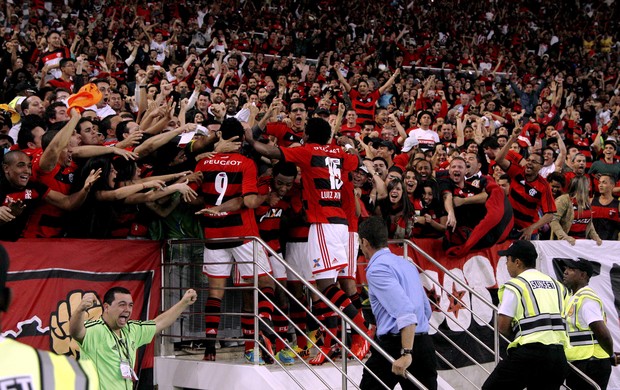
397 211
431 218
573 219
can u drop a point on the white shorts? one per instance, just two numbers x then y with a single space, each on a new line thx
279 271
297 258
350 271
327 249
218 262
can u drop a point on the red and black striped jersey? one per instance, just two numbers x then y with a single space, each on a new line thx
269 219
528 197
30 197
348 204
51 58
228 176
297 222
285 135
322 176
512 156
47 220
364 107
60 83
592 186
581 220
606 218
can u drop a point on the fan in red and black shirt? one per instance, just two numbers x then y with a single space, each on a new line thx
67 69
606 209
285 133
323 167
52 55
363 99
19 196
529 192
55 169
229 194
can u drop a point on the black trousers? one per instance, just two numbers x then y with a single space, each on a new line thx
598 370
535 366
423 366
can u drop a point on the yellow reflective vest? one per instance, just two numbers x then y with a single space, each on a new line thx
24 367
583 344
539 309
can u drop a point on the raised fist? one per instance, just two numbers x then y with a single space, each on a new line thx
60 337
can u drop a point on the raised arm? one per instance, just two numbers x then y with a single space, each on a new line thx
500 159
266 150
167 318
76 322
50 155
341 78
389 83
559 162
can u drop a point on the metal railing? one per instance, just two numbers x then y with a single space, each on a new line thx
259 244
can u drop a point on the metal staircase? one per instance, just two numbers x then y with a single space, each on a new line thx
314 377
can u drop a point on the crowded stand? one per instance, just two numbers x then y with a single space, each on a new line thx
462 121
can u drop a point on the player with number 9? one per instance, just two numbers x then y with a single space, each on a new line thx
229 194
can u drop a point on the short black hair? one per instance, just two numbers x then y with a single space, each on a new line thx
285 169
47 138
50 111
375 231
296 101
121 129
490 142
380 159
109 295
78 126
230 128
29 123
559 177
318 131
65 61
504 177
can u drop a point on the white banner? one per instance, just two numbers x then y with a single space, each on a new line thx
605 281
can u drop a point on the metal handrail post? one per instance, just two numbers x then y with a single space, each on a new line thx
255 296
345 381
496 336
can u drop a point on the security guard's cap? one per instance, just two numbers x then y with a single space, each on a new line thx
521 249
580 264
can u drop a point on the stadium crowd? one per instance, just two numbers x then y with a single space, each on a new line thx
474 122
415 96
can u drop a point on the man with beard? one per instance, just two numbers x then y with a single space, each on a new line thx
579 169
529 192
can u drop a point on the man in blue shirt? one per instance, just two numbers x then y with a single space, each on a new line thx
402 312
